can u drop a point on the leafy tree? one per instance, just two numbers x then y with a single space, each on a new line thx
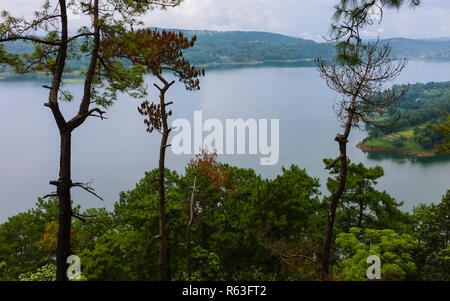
244 228
129 249
291 196
395 251
19 236
361 86
351 16
137 47
261 213
298 261
234 210
51 52
213 179
45 273
363 206
48 241
444 129
122 254
28 240
432 231
207 268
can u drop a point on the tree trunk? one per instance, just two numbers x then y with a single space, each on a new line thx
188 233
64 185
163 267
361 214
336 195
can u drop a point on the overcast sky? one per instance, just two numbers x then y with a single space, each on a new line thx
301 18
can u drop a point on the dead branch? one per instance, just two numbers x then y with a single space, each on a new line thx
87 188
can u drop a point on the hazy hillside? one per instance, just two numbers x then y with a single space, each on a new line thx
435 49
240 47
236 48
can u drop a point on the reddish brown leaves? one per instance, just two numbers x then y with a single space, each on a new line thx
205 166
157 50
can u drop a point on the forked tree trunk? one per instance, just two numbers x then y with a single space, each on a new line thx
64 183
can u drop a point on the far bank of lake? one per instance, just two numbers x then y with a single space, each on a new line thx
418 154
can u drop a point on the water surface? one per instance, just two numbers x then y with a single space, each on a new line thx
115 153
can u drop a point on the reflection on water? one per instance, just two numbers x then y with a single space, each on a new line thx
425 161
287 64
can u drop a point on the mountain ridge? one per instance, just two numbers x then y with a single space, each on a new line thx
224 49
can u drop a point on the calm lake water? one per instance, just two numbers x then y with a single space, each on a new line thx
115 153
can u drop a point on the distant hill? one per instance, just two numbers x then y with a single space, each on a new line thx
241 48
225 47
250 47
432 49
421 108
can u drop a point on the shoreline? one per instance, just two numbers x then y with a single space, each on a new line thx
297 63
416 154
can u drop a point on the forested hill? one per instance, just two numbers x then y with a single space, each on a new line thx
242 47
238 48
420 111
432 49
253 47
250 46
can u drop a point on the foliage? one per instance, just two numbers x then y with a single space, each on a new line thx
230 214
419 112
444 129
156 50
19 236
362 205
207 266
45 273
394 250
351 17
129 250
245 228
432 231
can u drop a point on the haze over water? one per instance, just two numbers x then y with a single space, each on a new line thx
115 153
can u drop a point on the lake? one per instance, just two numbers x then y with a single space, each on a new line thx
115 153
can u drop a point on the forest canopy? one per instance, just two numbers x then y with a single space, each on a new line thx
245 228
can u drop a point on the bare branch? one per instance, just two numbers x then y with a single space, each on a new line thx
53 194
87 188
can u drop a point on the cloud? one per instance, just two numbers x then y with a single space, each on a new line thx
222 15
310 36
305 18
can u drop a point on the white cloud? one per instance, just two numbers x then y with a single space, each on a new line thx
309 18
310 36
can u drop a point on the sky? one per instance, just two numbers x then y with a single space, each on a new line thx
309 19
